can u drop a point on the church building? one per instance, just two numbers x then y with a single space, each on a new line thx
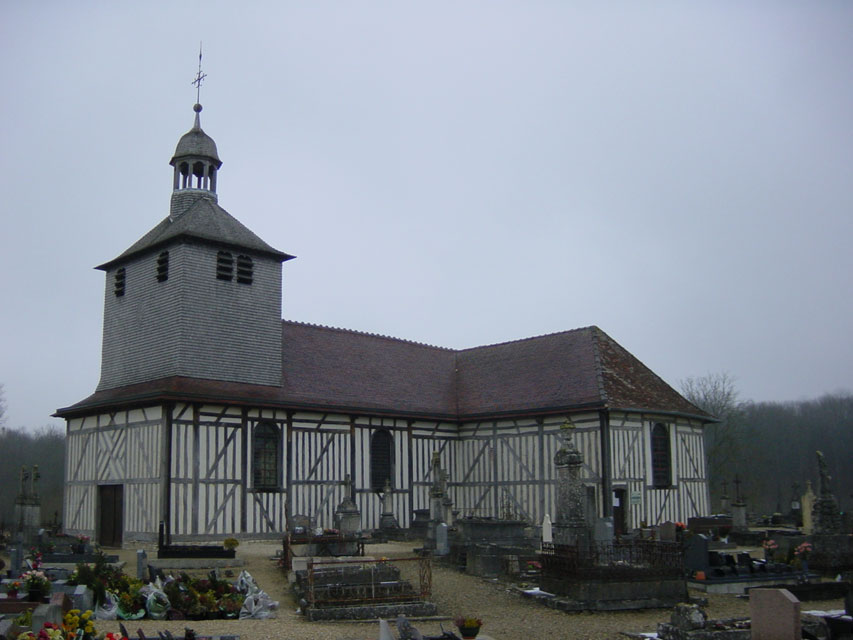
218 418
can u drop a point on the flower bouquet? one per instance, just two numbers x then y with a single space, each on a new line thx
79 625
12 589
37 584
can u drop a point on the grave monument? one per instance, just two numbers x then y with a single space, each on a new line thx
28 506
570 526
826 517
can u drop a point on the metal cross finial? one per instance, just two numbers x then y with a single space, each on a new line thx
737 487
199 77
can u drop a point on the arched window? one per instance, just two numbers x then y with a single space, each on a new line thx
265 456
163 267
244 269
381 459
661 457
120 281
224 266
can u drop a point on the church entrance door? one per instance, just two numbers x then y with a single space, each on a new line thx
110 522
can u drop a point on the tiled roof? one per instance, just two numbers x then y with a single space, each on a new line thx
339 370
204 220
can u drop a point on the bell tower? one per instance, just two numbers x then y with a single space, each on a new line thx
198 296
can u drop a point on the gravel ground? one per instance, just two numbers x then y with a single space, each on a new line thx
506 616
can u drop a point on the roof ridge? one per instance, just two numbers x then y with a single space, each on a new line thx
536 337
367 333
599 369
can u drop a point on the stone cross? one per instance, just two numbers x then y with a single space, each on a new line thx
34 481
24 477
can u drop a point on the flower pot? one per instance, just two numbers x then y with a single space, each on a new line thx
468 633
12 594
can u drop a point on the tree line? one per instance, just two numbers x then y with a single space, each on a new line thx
770 447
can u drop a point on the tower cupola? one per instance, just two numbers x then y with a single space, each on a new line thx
196 164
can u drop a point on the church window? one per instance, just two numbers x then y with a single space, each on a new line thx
381 459
245 269
661 457
163 267
224 266
265 456
119 282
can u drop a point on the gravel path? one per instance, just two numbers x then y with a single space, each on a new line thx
506 616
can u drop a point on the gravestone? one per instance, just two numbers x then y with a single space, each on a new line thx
696 553
387 520
28 506
826 516
807 505
141 564
775 615
46 613
739 516
666 532
547 532
570 525
603 530
347 515
442 548
440 505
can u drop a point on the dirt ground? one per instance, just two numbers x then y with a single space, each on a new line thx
506 616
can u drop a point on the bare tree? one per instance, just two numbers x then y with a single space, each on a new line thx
716 394
2 406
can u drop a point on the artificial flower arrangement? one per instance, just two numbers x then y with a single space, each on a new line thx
231 543
82 539
770 545
803 550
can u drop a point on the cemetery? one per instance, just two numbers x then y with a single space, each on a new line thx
571 563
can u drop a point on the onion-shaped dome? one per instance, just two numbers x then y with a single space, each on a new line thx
196 143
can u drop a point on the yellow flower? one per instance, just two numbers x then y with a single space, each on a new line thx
87 615
89 628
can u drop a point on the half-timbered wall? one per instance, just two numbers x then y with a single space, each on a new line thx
505 468
496 468
118 448
631 455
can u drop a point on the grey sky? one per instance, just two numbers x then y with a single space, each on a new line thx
457 173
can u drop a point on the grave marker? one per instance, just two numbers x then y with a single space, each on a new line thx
775 615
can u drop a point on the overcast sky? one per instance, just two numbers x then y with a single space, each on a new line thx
456 173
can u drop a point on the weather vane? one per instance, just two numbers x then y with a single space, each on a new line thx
198 78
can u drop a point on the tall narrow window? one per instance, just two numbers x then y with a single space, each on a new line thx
224 266
661 457
265 456
244 269
119 282
381 459
163 267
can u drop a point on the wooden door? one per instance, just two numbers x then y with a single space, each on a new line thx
620 510
110 521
